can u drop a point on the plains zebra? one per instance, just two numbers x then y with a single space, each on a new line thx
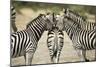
24 43
55 43
83 40
13 18
79 19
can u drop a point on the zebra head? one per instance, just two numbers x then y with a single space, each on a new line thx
73 15
59 21
47 21
51 21
66 12
63 22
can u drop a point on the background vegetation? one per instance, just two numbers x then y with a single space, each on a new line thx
81 9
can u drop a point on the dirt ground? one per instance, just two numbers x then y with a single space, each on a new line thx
41 55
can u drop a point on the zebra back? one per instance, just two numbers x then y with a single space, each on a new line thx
55 44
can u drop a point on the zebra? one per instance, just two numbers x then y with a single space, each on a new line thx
86 25
24 43
55 43
82 40
13 18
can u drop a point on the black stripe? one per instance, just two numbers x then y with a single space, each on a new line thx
50 37
49 45
37 33
92 33
92 41
12 8
61 34
18 45
61 37
25 40
14 49
50 33
49 41
22 42
34 32
14 13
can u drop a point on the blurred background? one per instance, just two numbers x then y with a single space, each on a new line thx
27 11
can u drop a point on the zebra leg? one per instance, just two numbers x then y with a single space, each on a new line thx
80 54
28 58
53 57
57 56
84 55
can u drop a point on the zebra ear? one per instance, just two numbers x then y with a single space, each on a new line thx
48 13
42 14
64 10
53 17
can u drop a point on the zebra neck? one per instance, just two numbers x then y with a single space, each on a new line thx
37 28
71 31
76 17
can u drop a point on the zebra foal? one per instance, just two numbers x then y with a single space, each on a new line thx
24 43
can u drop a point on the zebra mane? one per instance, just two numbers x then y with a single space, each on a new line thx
40 15
73 22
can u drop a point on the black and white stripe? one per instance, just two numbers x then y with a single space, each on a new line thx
13 18
74 16
82 39
24 43
55 41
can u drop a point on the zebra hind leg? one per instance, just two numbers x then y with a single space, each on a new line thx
57 56
54 57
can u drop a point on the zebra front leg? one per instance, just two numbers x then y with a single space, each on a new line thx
80 54
28 58
84 55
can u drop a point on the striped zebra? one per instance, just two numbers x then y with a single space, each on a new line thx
79 19
24 43
13 18
82 40
55 43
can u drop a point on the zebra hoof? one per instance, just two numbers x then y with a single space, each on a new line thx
87 60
